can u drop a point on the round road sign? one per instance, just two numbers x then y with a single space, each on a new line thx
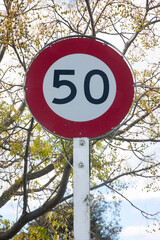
79 87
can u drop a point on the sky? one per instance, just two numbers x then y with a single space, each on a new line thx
134 225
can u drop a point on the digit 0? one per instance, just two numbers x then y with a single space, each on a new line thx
87 87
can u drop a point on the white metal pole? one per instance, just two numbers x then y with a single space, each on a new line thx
81 189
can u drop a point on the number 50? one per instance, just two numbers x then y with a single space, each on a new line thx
57 83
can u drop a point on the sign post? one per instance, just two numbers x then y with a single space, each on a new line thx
81 188
79 88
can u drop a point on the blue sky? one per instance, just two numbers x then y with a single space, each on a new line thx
135 226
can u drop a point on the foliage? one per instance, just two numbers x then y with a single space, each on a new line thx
58 224
35 168
4 224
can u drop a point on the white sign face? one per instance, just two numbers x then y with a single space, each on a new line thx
79 87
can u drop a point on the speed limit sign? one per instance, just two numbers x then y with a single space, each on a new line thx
79 87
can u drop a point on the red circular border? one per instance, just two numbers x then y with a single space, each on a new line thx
70 129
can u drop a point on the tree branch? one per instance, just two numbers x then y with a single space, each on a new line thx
109 181
44 187
137 121
129 42
10 192
2 51
137 140
25 196
10 120
91 18
145 214
46 207
134 172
